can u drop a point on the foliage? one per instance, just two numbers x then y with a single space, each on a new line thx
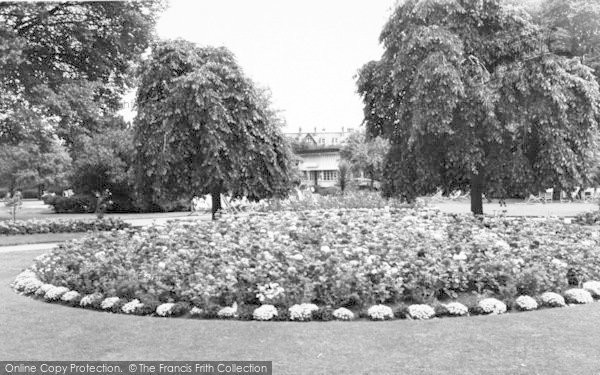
471 98
78 203
13 204
59 226
27 164
365 155
343 175
71 60
203 128
328 258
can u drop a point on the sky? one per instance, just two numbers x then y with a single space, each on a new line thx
306 52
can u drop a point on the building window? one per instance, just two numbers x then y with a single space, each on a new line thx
322 141
329 175
334 141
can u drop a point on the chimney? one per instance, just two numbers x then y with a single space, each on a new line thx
300 130
342 130
315 130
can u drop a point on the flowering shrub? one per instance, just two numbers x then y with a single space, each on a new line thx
109 302
196 312
165 309
59 226
265 312
421 312
456 309
593 287
343 314
491 306
132 307
380 312
269 292
526 303
71 296
228 312
552 300
303 311
91 300
579 296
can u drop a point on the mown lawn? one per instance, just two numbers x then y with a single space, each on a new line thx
21 239
551 341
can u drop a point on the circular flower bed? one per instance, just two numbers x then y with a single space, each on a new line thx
59 225
352 259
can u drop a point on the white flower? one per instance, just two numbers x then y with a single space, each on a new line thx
460 256
25 279
456 309
579 296
380 312
559 263
228 312
421 312
593 287
109 302
43 289
195 311
131 306
265 312
70 296
568 220
343 314
552 300
90 299
325 249
55 293
165 309
492 306
296 257
303 311
526 303
269 291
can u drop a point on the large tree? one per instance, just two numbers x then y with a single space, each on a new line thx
471 97
365 155
203 128
68 62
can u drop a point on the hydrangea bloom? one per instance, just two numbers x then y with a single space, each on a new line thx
492 306
109 302
265 312
195 311
131 306
25 279
593 287
165 309
269 291
343 314
70 296
43 289
54 293
380 312
228 312
90 299
552 300
303 311
421 312
578 296
456 309
526 303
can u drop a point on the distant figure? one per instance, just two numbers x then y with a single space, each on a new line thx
502 202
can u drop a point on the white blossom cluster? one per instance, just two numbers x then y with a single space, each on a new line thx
43 289
54 293
265 312
131 306
579 296
303 311
269 291
421 312
70 296
380 312
196 311
90 299
165 309
27 282
526 303
492 306
109 302
593 287
456 309
343 314
552 300
228 312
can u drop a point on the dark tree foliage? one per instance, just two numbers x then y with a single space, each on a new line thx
203 128
471 98
68 62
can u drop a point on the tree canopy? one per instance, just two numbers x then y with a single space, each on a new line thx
366 155
202 127
67 62
470 96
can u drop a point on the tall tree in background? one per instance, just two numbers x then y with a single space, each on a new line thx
365 155
470 97
203 128
67 62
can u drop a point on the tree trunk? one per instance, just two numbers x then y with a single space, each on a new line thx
476 190
556 194
216 202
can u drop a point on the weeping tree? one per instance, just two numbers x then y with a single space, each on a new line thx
202 127
471 97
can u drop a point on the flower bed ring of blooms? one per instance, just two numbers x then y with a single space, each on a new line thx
37 226
322 265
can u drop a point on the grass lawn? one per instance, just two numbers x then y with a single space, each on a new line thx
21 239
552 341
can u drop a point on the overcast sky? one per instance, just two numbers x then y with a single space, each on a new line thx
307 52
